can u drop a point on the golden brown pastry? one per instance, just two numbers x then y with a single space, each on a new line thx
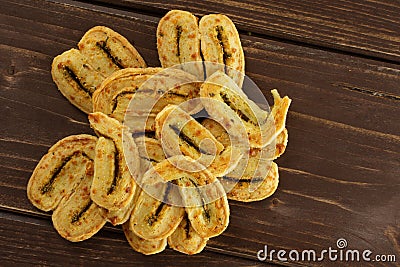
146 247
77 217
217 131
178 42
61 170
139 94
102 51
185 239
256 176
113 184
150 152
277 119
175 128
155 219
254 188
116 84
270 152
140 244
181 134
117 217
108 51
202 195
154 168
240 116
220 44
76 78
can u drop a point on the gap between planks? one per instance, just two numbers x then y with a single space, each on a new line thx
158 13
32 218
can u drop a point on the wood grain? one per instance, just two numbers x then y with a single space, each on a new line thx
38 243
339 176
369 28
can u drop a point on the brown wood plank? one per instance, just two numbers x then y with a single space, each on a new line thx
339 176
38 244
369 28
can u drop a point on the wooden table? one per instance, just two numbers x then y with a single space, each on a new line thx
340 177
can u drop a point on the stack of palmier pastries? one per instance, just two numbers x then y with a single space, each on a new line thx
160 142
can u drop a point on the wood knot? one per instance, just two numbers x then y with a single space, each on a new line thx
275 201
11 70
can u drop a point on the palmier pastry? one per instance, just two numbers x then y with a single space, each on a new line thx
77 217
139 244
255 177
185 239
108 51
113 186
202 195
270 152
253 188
105 99
60 171
181 134
61 182
150 151
135 96
117 217
155 219
228 105
220 44
76 78
146 247
178 42
101 52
